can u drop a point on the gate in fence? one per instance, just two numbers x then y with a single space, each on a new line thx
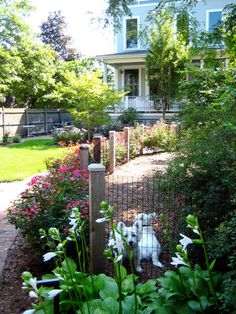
131 196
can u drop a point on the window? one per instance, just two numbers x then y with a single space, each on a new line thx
131 33
214 20
132 82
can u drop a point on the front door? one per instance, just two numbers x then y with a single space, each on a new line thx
132 82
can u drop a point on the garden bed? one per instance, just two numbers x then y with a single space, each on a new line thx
21 258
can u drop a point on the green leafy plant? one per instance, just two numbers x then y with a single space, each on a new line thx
188 289
161 138
16 139
69 135
6 138
128 116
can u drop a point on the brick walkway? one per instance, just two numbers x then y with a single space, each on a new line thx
8 193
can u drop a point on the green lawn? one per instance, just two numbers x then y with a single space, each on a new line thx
19 161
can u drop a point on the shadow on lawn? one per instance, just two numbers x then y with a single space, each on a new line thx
39 145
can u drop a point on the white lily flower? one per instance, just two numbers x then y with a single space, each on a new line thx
32 294
195 230
178 260
48 256
58 276
29 311
33 283
100 220
119 245
53 293
118 258
185 241
111 242
24 286
73 222
60 245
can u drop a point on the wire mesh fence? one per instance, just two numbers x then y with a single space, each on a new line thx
132 196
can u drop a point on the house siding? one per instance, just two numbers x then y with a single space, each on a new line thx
141 12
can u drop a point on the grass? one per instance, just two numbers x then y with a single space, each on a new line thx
19 161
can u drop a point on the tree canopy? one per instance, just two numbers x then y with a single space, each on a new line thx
53 34
166 58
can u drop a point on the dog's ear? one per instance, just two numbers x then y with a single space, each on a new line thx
152 216
139 216
121 225
138 224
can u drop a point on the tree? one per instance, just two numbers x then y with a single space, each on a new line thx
13 27
35 73
118 8
166 59
53 34
86 96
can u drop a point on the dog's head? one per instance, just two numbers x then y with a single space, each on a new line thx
131 234
144 218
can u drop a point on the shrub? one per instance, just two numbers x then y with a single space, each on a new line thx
161 138
69 135
129 116
49 199
6 138
121 154
16 139
112 126
135 141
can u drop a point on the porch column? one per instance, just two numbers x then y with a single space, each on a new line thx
105 72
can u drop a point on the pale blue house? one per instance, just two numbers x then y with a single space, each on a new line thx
128 60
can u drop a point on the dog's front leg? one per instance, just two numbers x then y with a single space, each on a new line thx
137 261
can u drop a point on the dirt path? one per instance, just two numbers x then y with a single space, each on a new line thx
146 165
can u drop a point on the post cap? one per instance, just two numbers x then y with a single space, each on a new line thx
96 167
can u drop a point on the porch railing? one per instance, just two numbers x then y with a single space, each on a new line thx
146 104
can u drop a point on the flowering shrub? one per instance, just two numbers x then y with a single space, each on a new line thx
161 138
48 200
69 135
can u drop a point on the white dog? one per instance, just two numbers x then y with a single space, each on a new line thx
148 245
125 240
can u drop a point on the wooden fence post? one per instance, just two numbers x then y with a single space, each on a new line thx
46 120
27 116
3 121
142 140
127 142
97 149
84 156
112 151
97 230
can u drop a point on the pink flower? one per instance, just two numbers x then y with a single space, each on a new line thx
47 186
76 172
64 169
72 178
34 180
72 204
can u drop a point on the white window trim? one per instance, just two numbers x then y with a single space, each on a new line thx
208 14
125 31
143 4
139 76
